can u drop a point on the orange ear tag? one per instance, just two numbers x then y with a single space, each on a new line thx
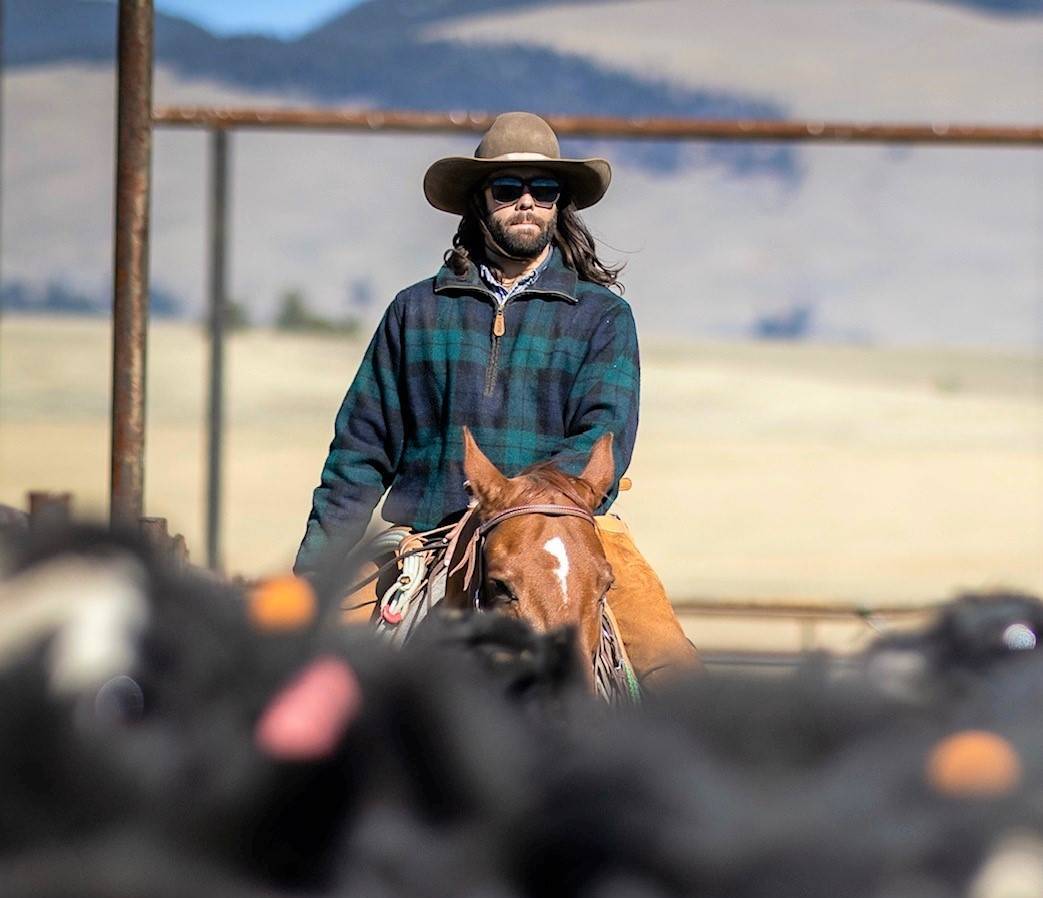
974 764
282 603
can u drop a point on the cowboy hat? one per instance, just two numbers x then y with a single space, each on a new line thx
514 139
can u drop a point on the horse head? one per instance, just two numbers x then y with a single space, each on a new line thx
543 560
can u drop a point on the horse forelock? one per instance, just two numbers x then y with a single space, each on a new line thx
539 482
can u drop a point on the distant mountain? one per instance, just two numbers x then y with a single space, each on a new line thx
376 54
40 31
58 298
374 16
1002 7
895 245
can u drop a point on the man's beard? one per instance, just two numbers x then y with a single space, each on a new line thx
523 244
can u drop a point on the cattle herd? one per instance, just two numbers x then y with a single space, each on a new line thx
165 733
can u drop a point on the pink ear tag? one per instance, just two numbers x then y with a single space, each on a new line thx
307 719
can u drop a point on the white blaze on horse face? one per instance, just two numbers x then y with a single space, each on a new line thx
556 548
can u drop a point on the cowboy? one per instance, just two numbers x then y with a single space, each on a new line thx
519 337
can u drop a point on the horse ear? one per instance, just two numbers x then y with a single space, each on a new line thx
600 472
484 479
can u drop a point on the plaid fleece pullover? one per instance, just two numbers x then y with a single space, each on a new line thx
539 378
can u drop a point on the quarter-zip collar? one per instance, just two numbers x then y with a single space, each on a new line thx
503 293
556 280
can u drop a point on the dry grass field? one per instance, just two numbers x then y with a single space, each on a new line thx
762 470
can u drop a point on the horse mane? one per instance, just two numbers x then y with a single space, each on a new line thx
546 476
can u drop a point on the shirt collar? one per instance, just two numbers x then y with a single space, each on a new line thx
502 290
554 278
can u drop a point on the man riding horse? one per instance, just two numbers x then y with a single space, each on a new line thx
519 338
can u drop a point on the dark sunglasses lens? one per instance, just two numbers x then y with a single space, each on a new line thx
545 190
507 190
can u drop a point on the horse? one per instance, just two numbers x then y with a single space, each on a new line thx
527 547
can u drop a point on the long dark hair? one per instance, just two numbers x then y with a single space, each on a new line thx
571 237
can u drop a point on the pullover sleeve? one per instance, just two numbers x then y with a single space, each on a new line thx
365 452
604 398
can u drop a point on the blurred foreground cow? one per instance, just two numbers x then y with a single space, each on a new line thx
165 734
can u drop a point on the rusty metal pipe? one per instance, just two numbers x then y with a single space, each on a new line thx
2 60
601 126
798 609
218 289
130 262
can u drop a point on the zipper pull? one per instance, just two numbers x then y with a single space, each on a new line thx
498 323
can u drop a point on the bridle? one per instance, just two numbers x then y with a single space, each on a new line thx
614 678
551 510
474 554
445 540
613 674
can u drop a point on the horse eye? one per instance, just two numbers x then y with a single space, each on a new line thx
502 592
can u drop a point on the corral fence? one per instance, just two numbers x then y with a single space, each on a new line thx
220 122
49 509
136 119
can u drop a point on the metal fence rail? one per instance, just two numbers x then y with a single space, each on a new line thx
807 613
374 120
219 120
799 608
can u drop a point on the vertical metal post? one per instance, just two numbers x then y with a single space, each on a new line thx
2 58
130 263
218 290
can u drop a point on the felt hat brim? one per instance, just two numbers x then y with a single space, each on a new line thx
450 182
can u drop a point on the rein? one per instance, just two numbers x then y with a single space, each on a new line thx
473 554
614 677
430 541
445 538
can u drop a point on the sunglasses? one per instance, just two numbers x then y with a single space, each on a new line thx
544 191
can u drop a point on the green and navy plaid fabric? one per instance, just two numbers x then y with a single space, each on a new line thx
564 371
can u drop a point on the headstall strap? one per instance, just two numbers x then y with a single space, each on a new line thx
614 676
613 673
552 510
447 538
445 543
471 559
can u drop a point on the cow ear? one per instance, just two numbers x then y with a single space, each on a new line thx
600 472
484 480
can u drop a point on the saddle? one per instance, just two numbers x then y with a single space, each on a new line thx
432 569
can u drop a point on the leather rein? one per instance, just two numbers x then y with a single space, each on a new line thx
614 678
474 554
446 539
